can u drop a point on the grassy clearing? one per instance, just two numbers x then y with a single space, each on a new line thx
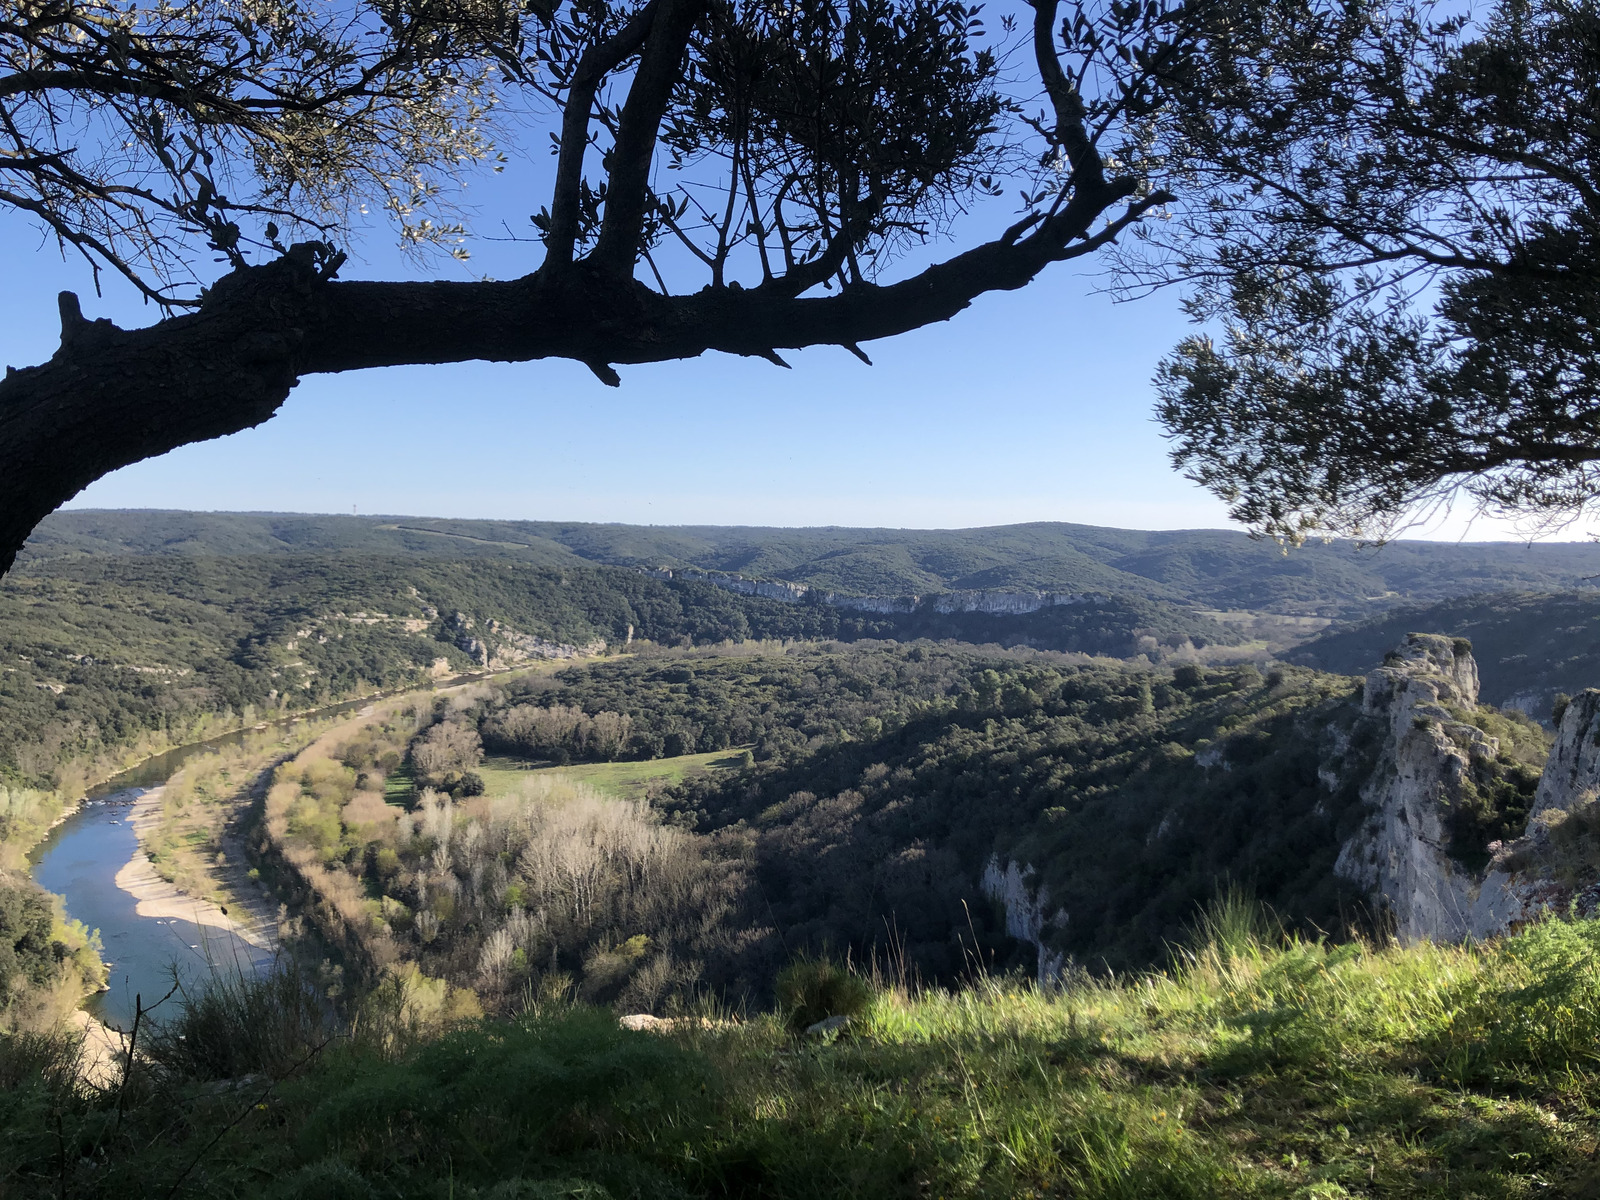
1256 1067
503 775
1267 633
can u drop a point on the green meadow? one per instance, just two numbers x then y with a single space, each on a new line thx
503 774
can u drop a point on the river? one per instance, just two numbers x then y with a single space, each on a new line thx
79 861
80 858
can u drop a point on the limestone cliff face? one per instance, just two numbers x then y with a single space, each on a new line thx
792 593
499 647
1571 778
1431 764
1027 912
1533 875
1011 603
1400 855
872 604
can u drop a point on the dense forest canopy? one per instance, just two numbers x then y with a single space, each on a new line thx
885 790
101 653
120 628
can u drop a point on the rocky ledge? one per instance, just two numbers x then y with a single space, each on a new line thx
1424 695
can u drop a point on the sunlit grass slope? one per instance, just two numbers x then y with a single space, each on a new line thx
1256 1067
503 774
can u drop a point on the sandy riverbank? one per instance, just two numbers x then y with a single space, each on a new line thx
162 900
100 1059
252 915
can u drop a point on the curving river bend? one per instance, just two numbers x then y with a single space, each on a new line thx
80 858
79 861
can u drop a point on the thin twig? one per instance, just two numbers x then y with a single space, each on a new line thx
133 1045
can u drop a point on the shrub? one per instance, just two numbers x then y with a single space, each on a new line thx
50 1059
239 1023
446 747
33 956
813 989
409 1008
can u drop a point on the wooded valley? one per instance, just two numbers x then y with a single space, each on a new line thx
828 810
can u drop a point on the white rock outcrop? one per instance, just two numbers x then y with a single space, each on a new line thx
1522 882
1008 603
1400 855
991 602
500 647
1571 778
873 604
1026 912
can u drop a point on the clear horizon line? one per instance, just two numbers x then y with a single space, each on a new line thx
1526 541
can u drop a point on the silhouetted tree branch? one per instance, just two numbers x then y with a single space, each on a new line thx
830 133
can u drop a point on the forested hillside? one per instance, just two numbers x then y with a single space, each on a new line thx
938 814
886 775
1212 568
99 651
883 783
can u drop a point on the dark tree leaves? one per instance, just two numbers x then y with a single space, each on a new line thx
1391 228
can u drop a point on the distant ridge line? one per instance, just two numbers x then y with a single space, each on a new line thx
996 570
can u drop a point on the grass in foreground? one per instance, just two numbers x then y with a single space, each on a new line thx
1254 1068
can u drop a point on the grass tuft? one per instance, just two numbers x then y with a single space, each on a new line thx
809 990
240 1024
1263 1065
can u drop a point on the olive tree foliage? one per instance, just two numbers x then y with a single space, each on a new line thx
1390 226
732 175
143 135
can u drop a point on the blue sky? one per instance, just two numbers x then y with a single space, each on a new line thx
1033 405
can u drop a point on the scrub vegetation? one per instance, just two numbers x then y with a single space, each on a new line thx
105 660
752 823
47 961
196 831
881 782
551 890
